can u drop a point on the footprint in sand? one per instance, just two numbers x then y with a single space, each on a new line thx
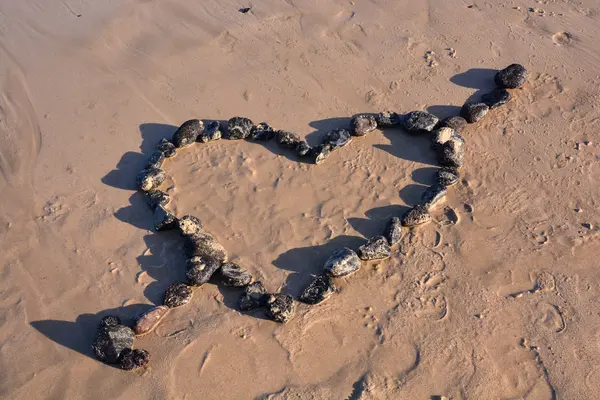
562 38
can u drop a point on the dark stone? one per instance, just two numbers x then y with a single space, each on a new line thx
303 149
388 119
187 133
473 112
262 132
205 245
178 294
451 154
254 297
420 122
156 160
337 138
232 274
190 225
150 178
133 359
457 123
433 195
320 289
511 77
447 176
111 340
417 215
201 269
443 135
363 124
164 219
377 248
280 307
342 262
393 232
168 148
288 140
155 198
110 320
212 132
239 128
320 153
496 98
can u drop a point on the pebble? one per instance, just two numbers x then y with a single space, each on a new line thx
262 132
155 198
189 225
377 248
473 112
388 119
187 133
457 123
511 77
393 232
451 154
150 178
201 269
337 138
433 195
168 148
496 98
447 176
363 124
133 359
205 245
254 297
280 307
469 208
417 215
110 320
320 153
149 320
212 132
239 128
320 289
420 121
111 340
177 295
164 220
232 274
303 149
156 160
342 262
287 139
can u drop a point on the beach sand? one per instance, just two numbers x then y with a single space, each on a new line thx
495 300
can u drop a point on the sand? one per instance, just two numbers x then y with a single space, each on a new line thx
493 301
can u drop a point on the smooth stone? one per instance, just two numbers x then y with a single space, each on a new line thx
232 274
363 124
417 215
110 320
319 290
187 133
156 160
451 154
377 248
239 128
254 297
280 307
164 220
150 178
496 98
133 359
177 295
433 195
262 132
212 132
155 198
201 269
473 112
189 225
167 148
205 245
388 119
149 320
393 232
457 123
342 262
511 77
303 149
320 153
447 176
337 138
111 340
287 139
420 121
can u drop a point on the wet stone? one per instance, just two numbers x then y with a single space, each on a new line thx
433 195
457 123
164 219
212 132
417 215
177 295
287 139
149 320
155 198
167 148
189 225
239 128
133 359
496 98
205 245
451 154
393 233
420 121
447 176
337 138
388 119
363 124
110 320
303 149
511 77
187 133
320 289
280 307
262 132
201 269
156 160
232 274
377 248
473 112
341 263
150 178
254 297
111 340
320 153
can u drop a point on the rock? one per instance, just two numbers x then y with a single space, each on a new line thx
457 123
155 198
393 233
146 322
190 225
280 307
212 132
262 132
205 245
337 138
363 124
254 297
288 140
201 269
447 176
433 195
133 359
442 135
110 320
111 340
473 112
167 148
451 154
496 98
320 289
320 153
232 274
239 128
177 295
150 178
420 121
303 149
164 219
511 77
388 119
156 160
377 248
341 263
187 133
417 215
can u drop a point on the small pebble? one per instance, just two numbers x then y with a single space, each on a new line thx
320 153
111 340
433 195
212 132
511 77
187 133
288 140
280 307
232 274
155 198
342 262
417 215
447 176
451 154
110 320
189 225
149 320
254 297
164 219
337 138
239 128
420 121
303 149
393 233
205 245
319 290
363 124
377 248
457 123
168 148
150 178
262 132
469 208
133 359
388 119
177 295
156 160
201 269
473 112
496 98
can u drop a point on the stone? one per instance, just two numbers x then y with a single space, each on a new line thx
262 132
473 112
187 133
111 340
388 119
363 124
110 320
303 149
239 128
205 245
156 160
442 135
319 290
393 232
133 359
288 140
433 195
177 295
155 198
457 123
342 262
150 178
511 77
201 269
254 297
420 122
320 153
377 248
167 148
417 215
164 220
212 132
337 138
280 307
149 320
189 225
447 176
496 98
232 274
451 154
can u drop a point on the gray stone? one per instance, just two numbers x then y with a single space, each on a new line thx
433 195
190 225
320 153
231 274
303 149
156 160
149 320
393 232
205 245
319 290
417 215
337 138
280 307
254 297
133 359
187 133
287 139
444 134
388 119
511 77
377 248
201 269
341 263
262 132
239 128
496 98
457 123
420 121
451 154
167 148
150 178
164 220
212 132
363 124
111 340
473 112
177 295
155 198
447 176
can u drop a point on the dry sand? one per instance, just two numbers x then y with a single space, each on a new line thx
501 305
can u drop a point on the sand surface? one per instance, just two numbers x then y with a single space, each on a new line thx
498 303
